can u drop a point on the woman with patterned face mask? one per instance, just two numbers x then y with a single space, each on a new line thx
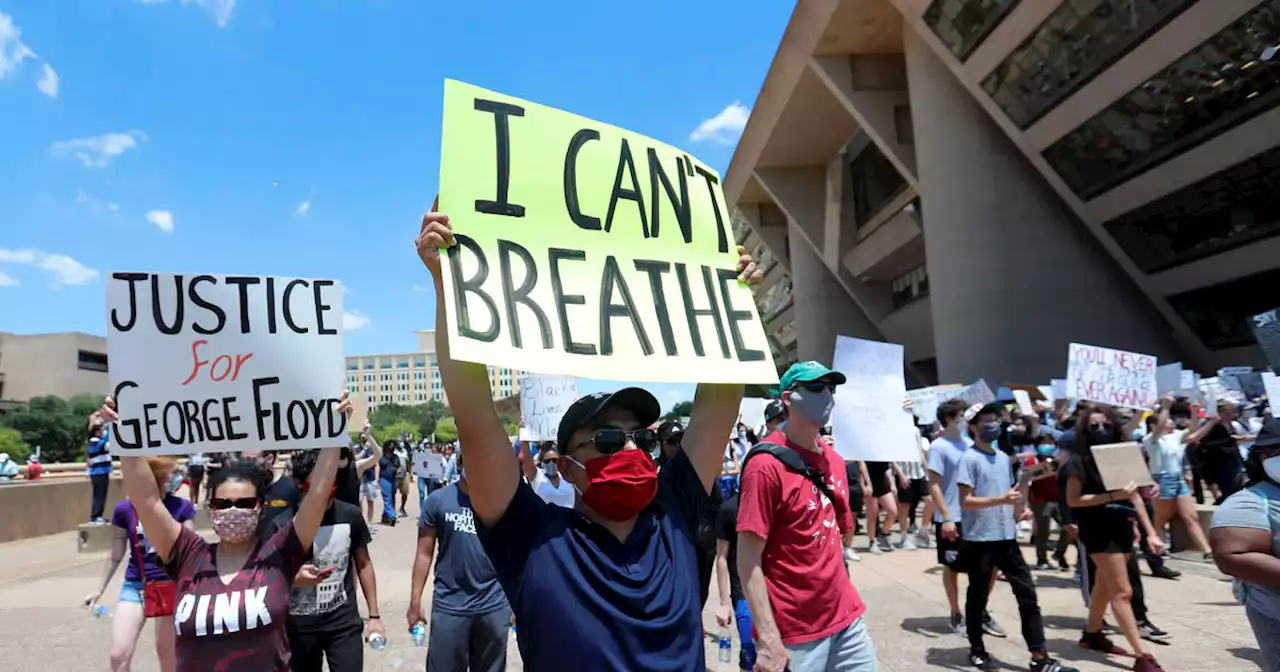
143 567
231 598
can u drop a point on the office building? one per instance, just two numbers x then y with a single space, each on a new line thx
985 181
64 364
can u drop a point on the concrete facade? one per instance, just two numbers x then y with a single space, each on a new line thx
932 176
66 364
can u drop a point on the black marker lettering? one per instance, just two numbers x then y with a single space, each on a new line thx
733 317
711 180
191 411
611 278
474 285
212 424
180 424
502 132
262 413
322 308
158 314
655 269
132 279
512 295
271 304
295 431
692 314
625 162
129 443
556 255
232 434
148 423
678 203
288 310
242 283
571 180
198 300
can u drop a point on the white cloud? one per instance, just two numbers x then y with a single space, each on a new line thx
65 270
421 288
352 320
724 128
7 281
98 151
48 84
12 50
163 219
303 208
221 9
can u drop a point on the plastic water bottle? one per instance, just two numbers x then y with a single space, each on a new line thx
419 635
726 645
377 642
99 611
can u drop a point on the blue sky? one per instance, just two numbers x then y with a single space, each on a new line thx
302 138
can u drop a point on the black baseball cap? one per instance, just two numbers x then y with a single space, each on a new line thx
773 409
670 431
582 412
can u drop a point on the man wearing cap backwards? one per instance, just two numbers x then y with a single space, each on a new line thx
807 614
612 583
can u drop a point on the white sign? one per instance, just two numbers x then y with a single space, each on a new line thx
924 402
543 401
1059 389
1047 392
868 422
218 363
1230 376
976 393
1187 381
751 412
1107 376
429 465
1272 384
1168 378
1024 402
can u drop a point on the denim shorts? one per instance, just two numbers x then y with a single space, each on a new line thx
131 591
1172 485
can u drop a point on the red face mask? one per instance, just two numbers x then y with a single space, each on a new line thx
622 484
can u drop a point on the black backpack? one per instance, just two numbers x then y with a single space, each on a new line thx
793 462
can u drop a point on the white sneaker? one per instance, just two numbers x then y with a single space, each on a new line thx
924 540
850 555
875 548
906 544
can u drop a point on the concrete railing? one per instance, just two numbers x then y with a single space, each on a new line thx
50 506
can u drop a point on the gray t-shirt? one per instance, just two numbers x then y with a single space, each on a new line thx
1256 507
466 583
944 460
989 476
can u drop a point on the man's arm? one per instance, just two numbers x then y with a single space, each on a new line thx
368 579
970 503
422 562
750 550
936 494
526 461
722 574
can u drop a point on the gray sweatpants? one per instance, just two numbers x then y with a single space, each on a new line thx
475 642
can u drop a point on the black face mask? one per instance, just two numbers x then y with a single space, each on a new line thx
1100 437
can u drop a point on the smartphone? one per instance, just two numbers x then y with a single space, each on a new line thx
324 573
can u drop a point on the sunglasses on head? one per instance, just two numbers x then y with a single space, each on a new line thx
609 441
222 503
816 386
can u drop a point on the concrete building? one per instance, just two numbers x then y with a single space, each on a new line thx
410 379
65 364
985 181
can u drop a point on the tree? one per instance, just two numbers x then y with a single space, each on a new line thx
11 443
446 430
423 417
392 432
680 410
50 423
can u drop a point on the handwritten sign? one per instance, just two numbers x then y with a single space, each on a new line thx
1109 376
217 363
1271 383
868 421
1120 464
1266 328
1188 381
975 393
1168 378
429 465
543 401
588 250
1024 402
1059 388
924 402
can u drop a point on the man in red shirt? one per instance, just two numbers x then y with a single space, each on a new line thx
807 614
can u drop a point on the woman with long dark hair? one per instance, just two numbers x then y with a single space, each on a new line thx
1104 519
1245 537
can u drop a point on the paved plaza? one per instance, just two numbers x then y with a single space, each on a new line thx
42 582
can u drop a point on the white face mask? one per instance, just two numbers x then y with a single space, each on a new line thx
1271 465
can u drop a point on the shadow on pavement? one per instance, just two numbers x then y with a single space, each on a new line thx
933 626
1245 653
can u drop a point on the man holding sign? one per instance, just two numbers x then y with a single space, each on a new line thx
576 570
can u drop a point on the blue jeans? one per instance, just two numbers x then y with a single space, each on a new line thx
849 650
388 499
1172 485
747 654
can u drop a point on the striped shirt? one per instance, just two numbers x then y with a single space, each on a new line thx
913 470
99 450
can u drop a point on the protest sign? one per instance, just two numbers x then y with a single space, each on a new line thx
751 412
1168 378
924 402
868 422
584 249
1266 328
1024 402
543 401
1120 464
1230 376
976 393
1110 376
219 363
1046 392
1271 383
429 465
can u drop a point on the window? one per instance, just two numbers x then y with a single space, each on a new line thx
402 362
910 286
1226 210
1220 314
91 361
353 365
1225 81
1078 40
368 364
420 362
963 24
875 182
776 299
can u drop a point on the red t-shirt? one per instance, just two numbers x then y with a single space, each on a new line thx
803 562
240 625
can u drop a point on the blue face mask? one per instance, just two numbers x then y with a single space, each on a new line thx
1045 450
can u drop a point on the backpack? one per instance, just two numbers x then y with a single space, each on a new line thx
793 462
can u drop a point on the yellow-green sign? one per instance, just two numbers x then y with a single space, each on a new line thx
587 250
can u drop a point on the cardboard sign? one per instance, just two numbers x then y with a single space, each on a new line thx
868 421
1266 328
218 363
1107 376
543 401
1120 464
584 249
428 465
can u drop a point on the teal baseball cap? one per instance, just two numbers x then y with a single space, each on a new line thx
806 372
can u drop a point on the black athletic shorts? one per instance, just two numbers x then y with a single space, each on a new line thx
916 492
950 553
878 472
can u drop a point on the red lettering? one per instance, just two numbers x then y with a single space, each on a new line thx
195 369
230 367
213 369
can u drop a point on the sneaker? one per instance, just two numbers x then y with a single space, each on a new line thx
958 626
874 548
982 661
883 541
1149 630
1045 567
913 529
1096 641
403 513
1208 557
992 628
1147 663
1048 664
851 555
925 540
97 521
906 544
1163 572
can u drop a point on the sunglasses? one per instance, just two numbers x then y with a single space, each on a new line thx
816 386
1097 425
221 503
609 441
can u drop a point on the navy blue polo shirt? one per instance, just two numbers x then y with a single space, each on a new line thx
585 600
